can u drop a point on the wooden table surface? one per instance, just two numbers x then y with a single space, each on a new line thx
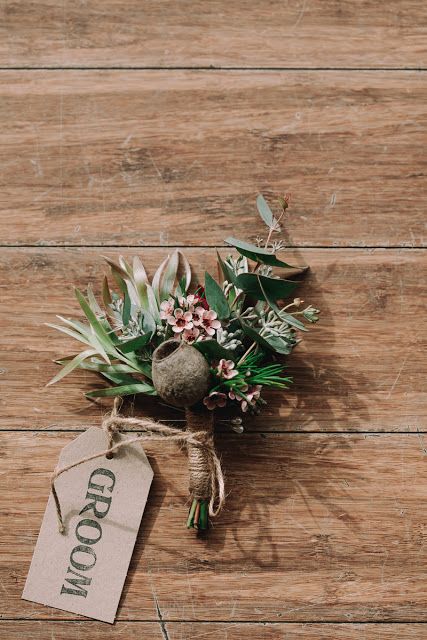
130 126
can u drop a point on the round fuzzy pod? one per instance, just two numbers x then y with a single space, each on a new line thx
181 374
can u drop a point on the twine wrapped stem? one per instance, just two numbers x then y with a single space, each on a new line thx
206 477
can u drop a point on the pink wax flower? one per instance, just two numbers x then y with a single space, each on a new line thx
166 308
207 320
190 335
226 369
180 320
215 399
233 394
252 395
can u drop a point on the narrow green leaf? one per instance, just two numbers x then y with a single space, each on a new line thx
116 267
255 336
99 331
153 304
125 390
69 332
187 270
107 368
169 276
93 303
126 309
71 365
157 278
119 379
141 280
106 294
216 298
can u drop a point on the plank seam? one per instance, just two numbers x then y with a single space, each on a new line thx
211 68
205 621
247 433
208 246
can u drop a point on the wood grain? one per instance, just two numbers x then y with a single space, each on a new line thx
363 367
191 33
316 527
41 630
167 158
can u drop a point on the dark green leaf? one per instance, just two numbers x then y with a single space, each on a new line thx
262 287
216 298
258 254
214 351
227 271
134 344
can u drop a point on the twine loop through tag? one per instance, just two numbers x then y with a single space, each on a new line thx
206 476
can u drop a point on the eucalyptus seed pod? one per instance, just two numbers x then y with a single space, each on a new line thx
180 373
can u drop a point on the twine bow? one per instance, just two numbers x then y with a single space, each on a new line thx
154 431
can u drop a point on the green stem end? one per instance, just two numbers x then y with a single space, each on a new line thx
198 515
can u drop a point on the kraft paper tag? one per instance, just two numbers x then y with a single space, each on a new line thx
84 569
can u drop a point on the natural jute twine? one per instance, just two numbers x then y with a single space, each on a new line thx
206 477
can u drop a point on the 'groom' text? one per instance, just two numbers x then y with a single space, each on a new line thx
89 532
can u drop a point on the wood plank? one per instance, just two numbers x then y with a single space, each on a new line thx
363 367
75 630
166 158
188 33
39 630
280 631
316 527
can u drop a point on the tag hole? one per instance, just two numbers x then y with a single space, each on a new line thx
109 456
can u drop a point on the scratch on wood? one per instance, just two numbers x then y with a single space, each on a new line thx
397 378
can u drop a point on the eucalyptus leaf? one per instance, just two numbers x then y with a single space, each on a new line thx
258 254
227 271
279 345
255 336
262 287
294 322
216 298
265 212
